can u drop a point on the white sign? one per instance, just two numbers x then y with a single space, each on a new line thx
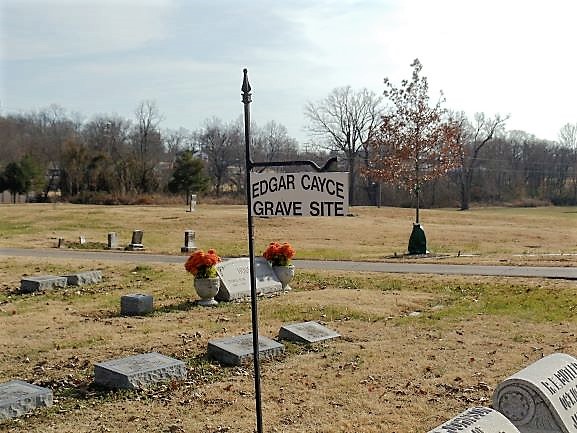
299 194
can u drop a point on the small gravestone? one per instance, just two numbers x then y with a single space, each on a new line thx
238 350
81 240
136 242
112 241
135 304
84 278
43 282
306 332
235 277
192 203
477 420
18 397
189 242
541 397
138 371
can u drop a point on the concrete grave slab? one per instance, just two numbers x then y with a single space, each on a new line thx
306 332
235 277
477 420
18 397
136 304
238 350
84 278
138 371
42 282
541 397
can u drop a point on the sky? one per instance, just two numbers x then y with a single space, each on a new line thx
507 57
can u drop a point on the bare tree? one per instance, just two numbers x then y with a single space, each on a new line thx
147 144
568 135
223 150
472 137
345 121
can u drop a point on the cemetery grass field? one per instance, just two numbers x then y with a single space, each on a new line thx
415 350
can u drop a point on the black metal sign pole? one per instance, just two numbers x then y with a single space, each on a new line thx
246 100
329 166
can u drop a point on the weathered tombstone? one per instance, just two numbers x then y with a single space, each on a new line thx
238 350
136 242
189 244
192 203
18 397
138 371
235 277
112 241
541 398
306 332
81 240
477 420
136 304
43 282
84 278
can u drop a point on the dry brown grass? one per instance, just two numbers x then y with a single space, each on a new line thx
390 372
490 235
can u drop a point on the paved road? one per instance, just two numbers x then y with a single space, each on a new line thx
568 273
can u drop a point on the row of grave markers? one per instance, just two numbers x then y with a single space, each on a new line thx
141 371
136 243
541 398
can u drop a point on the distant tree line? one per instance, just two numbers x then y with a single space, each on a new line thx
397 147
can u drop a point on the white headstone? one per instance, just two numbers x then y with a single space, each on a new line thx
235 277
112 240
477 420
542 397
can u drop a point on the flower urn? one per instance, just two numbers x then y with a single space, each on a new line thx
284 274
207 288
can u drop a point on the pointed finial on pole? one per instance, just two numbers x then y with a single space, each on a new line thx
245 88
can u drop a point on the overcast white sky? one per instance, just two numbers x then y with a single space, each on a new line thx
512 57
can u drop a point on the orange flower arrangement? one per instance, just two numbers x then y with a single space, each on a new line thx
279 254
202 265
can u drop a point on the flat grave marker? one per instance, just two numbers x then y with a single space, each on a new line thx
84 278
477 420
542 397
238 350
138 371
42 282
18 397
306 332
235 277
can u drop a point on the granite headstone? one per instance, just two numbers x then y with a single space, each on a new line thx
136 242
42 282
235 277
189 242
239 350
138 371
136 304
306 332
84 278
18 397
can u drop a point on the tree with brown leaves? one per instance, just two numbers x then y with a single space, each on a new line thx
416 142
